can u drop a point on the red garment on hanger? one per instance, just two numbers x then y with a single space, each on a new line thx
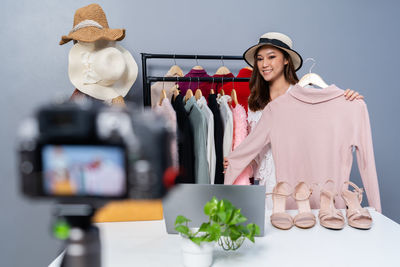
218 86
242 88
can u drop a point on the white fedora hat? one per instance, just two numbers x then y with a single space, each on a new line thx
103 70
278 40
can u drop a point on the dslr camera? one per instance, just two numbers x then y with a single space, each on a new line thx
91 153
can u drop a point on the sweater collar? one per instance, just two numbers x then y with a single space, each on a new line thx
315 95
197 72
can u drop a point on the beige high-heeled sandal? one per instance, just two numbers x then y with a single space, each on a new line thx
279 218
329 216
305 218
357 216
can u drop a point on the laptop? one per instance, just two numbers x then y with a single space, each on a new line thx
189 199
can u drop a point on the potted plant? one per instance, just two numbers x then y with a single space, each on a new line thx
225 226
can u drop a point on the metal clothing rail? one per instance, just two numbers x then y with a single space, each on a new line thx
147 80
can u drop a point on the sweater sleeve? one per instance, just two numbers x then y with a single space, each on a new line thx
241 157
366 159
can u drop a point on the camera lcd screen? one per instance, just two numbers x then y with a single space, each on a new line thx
84 170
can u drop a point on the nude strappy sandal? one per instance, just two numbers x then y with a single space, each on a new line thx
279 218
357 216
329 216
305 218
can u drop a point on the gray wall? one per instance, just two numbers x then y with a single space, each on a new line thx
354 42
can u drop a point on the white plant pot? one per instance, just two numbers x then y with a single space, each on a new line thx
194 255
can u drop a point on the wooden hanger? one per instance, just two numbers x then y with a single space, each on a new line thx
222 71
175 93
163 95
189 94
212 91
222 92
249 68
312 78
197 67
234 97
175 70
198 94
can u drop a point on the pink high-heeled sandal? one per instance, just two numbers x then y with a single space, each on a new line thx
279 218
329 216
357 216
305 218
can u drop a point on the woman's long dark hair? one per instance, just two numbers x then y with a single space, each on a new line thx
259 88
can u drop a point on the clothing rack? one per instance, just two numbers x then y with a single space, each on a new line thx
147 80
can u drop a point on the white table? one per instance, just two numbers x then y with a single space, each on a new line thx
148 244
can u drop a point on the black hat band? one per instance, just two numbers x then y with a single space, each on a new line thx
275 42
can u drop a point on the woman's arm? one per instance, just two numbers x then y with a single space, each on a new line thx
241 157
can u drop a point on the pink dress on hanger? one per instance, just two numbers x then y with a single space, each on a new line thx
239 134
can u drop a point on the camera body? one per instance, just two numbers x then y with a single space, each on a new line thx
92 153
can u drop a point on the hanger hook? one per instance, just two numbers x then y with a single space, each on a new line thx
212 85
190 83
197 62
174 59
233 83
314 62
222 59
198 82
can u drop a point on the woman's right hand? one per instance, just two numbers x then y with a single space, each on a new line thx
226 163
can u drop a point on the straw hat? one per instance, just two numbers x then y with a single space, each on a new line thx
278 40
103 70
90 24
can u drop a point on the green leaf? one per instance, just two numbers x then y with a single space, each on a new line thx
222 216
183 230
228 204
211 207
198 239
243 229
237 218
234 233
253 228
229 216
204 227
180 219
215 231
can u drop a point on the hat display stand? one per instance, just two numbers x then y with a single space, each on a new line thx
100 69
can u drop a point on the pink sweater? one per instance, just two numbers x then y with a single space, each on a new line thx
240 134
312 132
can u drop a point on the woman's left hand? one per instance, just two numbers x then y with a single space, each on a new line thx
351 95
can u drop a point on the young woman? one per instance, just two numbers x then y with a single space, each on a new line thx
275 64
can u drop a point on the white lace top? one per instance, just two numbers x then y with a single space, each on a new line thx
263 165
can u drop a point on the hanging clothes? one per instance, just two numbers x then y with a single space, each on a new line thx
157 87
312 133
199 126
185 143
239 134
218 86
242 88
205 87
167 111
227 120
218 138
211 157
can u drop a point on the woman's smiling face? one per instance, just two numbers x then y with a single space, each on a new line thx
270 62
